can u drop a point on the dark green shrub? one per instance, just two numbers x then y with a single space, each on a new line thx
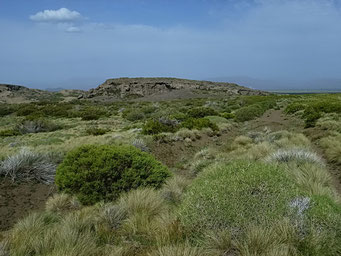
147 110
27 109
96 131
327 106
57 110
265 105
248 113
6 109
90 113
158 126
9 132
96 173
294 107
200 123
202 112
33 124
133 115
87 116
310 116
228 115
180 116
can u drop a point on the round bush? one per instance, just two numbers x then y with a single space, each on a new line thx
235 195
242 194
248 113
101 172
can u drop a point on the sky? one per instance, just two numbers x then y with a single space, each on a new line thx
81 43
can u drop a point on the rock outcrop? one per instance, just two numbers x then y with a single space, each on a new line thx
125 88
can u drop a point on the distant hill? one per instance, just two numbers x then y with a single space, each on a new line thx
10 93
284 85
165 88
55 89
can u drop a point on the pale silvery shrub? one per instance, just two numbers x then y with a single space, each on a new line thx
295 154
27 165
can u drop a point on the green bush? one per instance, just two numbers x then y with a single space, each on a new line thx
6 109
34 124
294 107
327 106
133 115
90 113
147 110
310 116
202 112
235 195
248 113
9 132
153 126
241 194
57 110
200 123
27 109
227 115
96 131
95 173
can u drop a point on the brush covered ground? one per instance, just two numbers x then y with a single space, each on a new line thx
245 175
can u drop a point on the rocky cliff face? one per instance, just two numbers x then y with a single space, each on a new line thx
123 88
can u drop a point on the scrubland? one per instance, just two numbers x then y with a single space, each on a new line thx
181 177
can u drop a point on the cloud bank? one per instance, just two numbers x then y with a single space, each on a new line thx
61 15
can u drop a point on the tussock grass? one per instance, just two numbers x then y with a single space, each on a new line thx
268 241
3 248
62 203
241 141
312 178
260 151
174 188
329 125
219 242
178 250
184 133
332 148
27 165
299 156
140 144
143 201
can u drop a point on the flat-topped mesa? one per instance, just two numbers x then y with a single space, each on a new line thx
141 87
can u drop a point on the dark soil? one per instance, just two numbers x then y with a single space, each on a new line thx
19 199
276 120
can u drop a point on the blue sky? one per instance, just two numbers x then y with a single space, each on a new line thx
80 43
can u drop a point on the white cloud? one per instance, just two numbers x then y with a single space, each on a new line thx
73 29
61 15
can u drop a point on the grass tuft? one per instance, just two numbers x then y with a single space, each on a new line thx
62 203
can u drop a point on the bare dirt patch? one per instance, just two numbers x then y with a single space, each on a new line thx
276 120
18 199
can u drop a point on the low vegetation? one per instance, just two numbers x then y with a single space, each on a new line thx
181 177
95 173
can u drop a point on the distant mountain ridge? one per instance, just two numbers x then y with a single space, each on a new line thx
124 88
130 88
284 84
